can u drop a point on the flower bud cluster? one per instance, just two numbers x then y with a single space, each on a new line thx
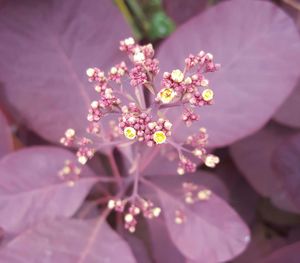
189 86
137 124
193 194
198 140
68 138
117 72
70 172
93 128
108 101
203 60
105 105
96 75
145 66
133 210
198 143
189 116
138 76
85 150
185 166
180 217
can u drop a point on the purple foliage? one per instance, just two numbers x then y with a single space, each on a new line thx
252 82
57 206
182 10
60 40
68 240
286 254
254 157
198 228
5 136
286 161
288 113
33 191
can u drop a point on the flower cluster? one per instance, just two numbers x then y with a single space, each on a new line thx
195 145
70 173
138 117
198 142
137 124
189 87
191 195
85 150
133 209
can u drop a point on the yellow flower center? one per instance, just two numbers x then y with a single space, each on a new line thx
207 94
159 137
130 133
166 95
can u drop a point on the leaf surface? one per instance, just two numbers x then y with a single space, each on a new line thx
210 229
253 157
31 189
66 241
260 58
46 47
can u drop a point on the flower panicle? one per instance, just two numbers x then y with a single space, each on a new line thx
121 100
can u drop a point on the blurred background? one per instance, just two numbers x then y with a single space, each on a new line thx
260 143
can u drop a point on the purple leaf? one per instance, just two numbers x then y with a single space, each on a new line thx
288 113
263 242
253 80
168 176
155 159
274 216
162 247
2 234
208 229
288 254
6 144
207 179
67 241
31 190
253 157
286 162
137 246
181 11
46 48
243 198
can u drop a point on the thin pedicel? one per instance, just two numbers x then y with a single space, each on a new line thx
133 122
